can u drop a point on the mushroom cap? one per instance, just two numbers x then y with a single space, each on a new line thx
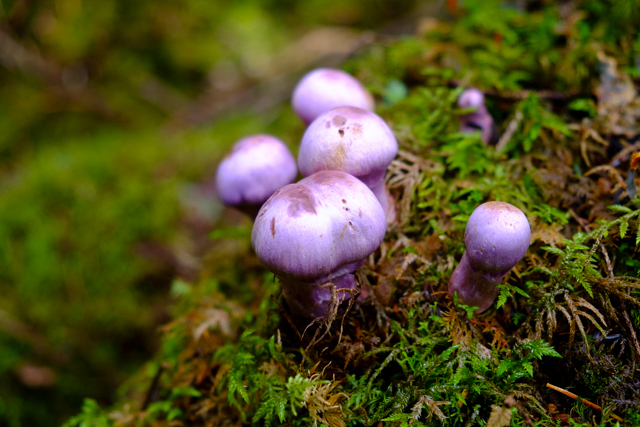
351 140
497 236
255 168
322 227
322 89
471 97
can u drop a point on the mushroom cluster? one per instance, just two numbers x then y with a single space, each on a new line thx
497 236
315 234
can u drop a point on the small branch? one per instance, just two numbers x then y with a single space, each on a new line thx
512 127
58 80
541 94
480 323
153 387
586 402
38 342
630 326
584 224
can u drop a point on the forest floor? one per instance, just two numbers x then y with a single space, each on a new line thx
559 346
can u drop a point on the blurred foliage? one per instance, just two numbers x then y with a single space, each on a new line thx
72 63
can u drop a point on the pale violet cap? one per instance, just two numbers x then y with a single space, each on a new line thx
497 236
471 97
351 140
256 167
324 89
322 227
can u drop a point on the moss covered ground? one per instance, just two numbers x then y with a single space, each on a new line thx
561 82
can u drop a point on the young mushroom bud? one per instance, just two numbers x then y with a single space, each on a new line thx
314 234
354 141
325 88
497 236
256 167
478 120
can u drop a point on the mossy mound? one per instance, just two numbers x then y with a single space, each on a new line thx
562 84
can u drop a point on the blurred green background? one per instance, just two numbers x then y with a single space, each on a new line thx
113 115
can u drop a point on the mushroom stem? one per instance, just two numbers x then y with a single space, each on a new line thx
478 120
312 299
474 286
384 197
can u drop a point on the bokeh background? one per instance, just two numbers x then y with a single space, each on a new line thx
113 116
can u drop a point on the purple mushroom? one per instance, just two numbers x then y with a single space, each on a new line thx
317 231
497 237
478 120
354 141
325 88
256 167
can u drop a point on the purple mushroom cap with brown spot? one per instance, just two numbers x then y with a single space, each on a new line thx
255 168
351 140
497 236
324 89
319 228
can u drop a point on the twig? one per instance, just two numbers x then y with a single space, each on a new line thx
508 133
607 260
153 387
586 402
611 275
625 152
294 62
38 342
523 94
283 311
480 323
584 224
630 326
541 94
14 56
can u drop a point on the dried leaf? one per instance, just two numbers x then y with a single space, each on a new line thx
500 416
214 317
428 401
615 89
550 236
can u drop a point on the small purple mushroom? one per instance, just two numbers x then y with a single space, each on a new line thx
497 236
325 88
317 231
354 141
478 120
256 167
